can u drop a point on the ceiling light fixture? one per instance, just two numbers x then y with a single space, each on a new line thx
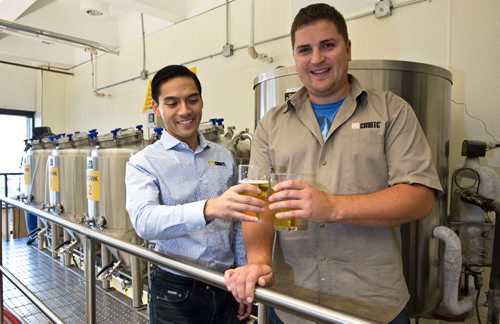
95 8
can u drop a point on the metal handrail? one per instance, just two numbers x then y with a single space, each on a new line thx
267 296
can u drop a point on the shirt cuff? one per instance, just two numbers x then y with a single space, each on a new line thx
196 209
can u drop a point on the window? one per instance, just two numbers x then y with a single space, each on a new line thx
16 126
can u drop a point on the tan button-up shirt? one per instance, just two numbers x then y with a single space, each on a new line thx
374 142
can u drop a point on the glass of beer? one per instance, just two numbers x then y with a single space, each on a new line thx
257 176
287 224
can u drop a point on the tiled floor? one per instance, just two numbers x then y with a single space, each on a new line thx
60 288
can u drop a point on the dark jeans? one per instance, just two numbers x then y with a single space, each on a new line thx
175 299
402 318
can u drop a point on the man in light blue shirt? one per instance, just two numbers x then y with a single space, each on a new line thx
181 195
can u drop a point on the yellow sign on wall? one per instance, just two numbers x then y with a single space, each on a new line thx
93 192
147 100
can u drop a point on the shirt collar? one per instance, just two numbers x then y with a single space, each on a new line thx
358 91
169 142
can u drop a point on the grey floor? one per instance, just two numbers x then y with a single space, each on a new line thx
60 288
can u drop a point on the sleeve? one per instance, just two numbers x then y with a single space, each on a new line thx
259 152
240 257
409 156
152 220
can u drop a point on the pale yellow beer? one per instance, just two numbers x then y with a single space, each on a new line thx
286 224
263 185
257 176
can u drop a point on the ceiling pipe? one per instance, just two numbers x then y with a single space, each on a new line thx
251 46
93 61
56 37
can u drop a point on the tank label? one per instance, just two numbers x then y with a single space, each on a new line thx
54 179
93 185
27 174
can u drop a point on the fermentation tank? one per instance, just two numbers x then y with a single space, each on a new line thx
67 167
106 198
36 191
427 88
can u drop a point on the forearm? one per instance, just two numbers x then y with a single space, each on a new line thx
393 206
152 221
258 238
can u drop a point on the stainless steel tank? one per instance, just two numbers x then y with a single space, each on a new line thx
36 192
427 88
239 144
67 188
105 191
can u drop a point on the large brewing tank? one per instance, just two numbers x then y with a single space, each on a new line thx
67 191
34 163
427 88
106 197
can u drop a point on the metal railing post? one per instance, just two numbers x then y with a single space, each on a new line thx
89 255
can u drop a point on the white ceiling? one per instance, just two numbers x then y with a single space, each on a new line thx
121 25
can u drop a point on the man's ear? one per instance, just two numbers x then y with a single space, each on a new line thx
155 107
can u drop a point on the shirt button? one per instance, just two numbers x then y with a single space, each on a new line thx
323 279
324 163
323 259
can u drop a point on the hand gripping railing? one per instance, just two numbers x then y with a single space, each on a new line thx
263 295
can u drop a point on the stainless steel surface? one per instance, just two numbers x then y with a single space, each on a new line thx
32 297
61 288
427 88
106 199
89 252
264 295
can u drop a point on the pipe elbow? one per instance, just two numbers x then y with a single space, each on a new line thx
252 52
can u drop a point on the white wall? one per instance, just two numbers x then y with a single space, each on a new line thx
458 35
18 88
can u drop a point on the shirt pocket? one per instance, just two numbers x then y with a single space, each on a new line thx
364 162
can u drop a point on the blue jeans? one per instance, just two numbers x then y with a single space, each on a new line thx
195 302
402 318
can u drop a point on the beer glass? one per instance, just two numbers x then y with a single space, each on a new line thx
257 176
290 224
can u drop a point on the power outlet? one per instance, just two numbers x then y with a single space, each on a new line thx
383 8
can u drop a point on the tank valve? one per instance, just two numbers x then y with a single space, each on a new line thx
108 270
59 209
126 284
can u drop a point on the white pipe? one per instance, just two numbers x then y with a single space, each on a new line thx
251 49
452 267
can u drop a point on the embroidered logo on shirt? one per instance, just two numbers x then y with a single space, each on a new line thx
216 163
372 124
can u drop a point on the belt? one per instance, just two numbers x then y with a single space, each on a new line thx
180 280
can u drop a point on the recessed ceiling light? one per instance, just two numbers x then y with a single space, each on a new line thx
95 8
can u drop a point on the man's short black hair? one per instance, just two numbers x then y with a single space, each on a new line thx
317 12
168 73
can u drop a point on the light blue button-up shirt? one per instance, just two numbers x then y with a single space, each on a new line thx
167 187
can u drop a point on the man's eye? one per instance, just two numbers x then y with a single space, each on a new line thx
171 104
329 45
303 50
193 101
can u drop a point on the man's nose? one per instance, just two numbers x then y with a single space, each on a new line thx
316 56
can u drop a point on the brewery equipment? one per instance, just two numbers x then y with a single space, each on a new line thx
105 191
427 88
35 191
67 190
